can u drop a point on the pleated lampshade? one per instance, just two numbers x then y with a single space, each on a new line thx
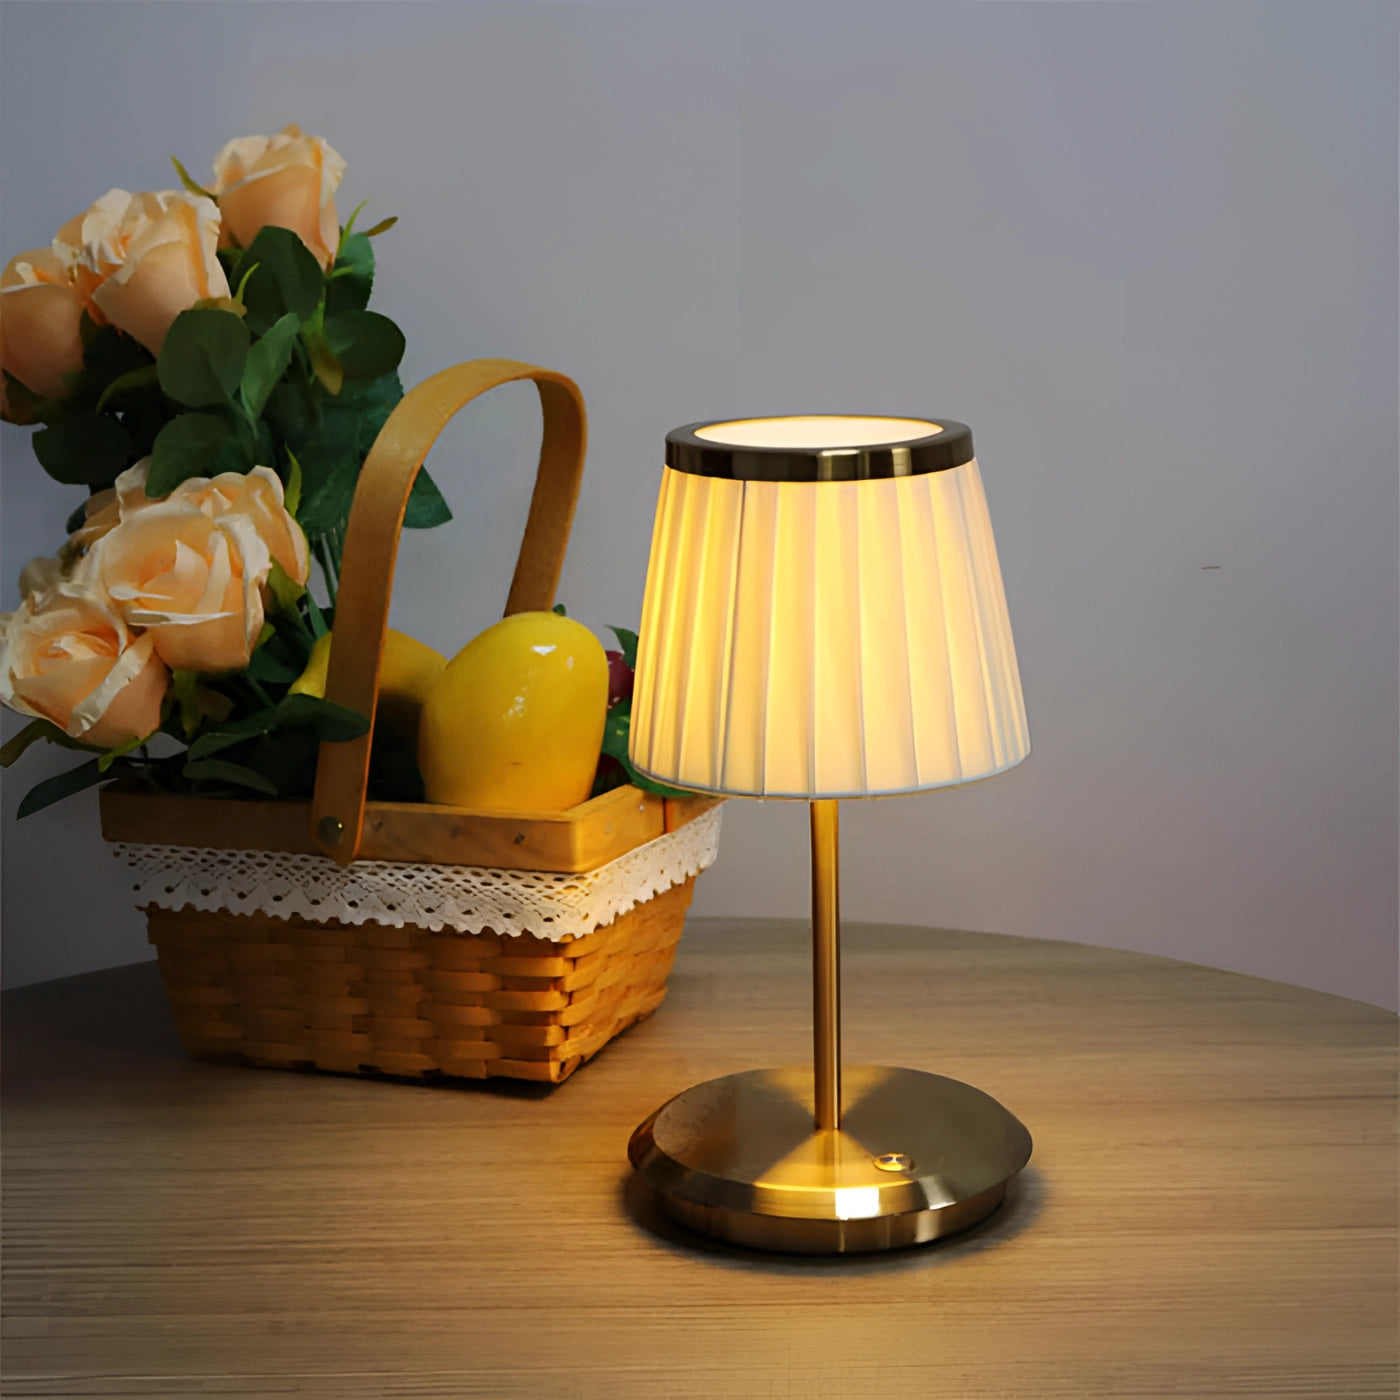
824 613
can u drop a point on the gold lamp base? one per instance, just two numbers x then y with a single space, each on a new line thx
916 1157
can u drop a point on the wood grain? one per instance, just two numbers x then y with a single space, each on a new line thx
1210 1211
583 838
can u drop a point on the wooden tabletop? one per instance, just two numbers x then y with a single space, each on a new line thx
1210 1210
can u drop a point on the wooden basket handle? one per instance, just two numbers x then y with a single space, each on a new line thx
372 544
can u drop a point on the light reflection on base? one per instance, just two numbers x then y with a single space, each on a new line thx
738 1159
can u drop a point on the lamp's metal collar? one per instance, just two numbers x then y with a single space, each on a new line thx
949 446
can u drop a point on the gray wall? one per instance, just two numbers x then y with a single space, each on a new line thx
1147 249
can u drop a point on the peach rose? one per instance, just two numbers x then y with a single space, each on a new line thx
103 511
42 311
66 656
288 180
142 259
258 497
190 568
194 583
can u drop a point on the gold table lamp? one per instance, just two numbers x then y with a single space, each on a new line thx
824 618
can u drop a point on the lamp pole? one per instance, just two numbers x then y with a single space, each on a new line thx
826 964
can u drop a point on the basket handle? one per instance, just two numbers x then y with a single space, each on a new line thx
372 543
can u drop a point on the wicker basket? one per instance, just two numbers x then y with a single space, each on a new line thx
404 1000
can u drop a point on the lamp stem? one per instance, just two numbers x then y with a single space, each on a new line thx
826 963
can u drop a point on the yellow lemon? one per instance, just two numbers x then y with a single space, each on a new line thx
515 722
406 675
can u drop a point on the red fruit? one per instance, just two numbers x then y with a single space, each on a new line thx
620 678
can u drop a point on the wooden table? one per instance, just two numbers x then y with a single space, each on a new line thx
1210 1211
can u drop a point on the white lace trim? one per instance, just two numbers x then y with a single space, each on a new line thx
462 898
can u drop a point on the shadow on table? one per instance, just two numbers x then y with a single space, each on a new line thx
122 1012
121 1009
1025 1199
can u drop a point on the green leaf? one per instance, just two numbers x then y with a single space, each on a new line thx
112 755
187 180
55 789
383 226
286 592
331 723
196 702
285 277
220 770
349 228
141 378
319 626
243 281
202 358
627 640
90 449
365 344
324 364
326 503
194 444
267 363
426 507
616 731
108 353
352 278
291 493
271 669
32 733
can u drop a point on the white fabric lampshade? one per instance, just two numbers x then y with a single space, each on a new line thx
824 638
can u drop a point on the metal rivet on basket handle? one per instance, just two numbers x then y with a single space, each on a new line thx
372 542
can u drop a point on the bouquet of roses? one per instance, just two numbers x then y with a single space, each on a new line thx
203 363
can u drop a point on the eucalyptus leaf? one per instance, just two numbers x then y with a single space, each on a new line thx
426 506
194 444
352 277
202 357
89 449
365 344
267 362
286 277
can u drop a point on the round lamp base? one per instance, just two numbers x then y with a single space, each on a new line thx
916 1157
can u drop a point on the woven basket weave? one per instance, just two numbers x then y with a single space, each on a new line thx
370 998
373 999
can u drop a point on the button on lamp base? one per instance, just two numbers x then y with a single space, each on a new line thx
916 1157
